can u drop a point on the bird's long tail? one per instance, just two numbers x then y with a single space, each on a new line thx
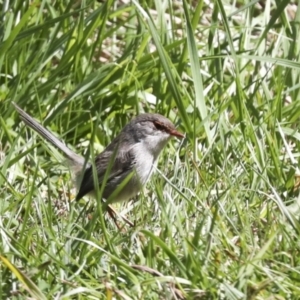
74 158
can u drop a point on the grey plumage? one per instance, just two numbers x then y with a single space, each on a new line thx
136 150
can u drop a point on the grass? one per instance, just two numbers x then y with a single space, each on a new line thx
220 218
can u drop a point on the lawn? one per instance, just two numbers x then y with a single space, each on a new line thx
219 219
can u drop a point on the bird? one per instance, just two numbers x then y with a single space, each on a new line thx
132 155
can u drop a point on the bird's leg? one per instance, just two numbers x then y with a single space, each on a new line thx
113 213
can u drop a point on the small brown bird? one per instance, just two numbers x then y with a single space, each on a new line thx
135 151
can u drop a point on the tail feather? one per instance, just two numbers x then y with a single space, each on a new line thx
74 158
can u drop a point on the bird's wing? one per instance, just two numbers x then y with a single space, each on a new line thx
124 162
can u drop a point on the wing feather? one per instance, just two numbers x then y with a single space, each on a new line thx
124 163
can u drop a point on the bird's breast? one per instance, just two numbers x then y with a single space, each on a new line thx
144 163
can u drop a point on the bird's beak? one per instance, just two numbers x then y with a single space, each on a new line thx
176 133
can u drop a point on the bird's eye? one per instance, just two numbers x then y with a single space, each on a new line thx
159 126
